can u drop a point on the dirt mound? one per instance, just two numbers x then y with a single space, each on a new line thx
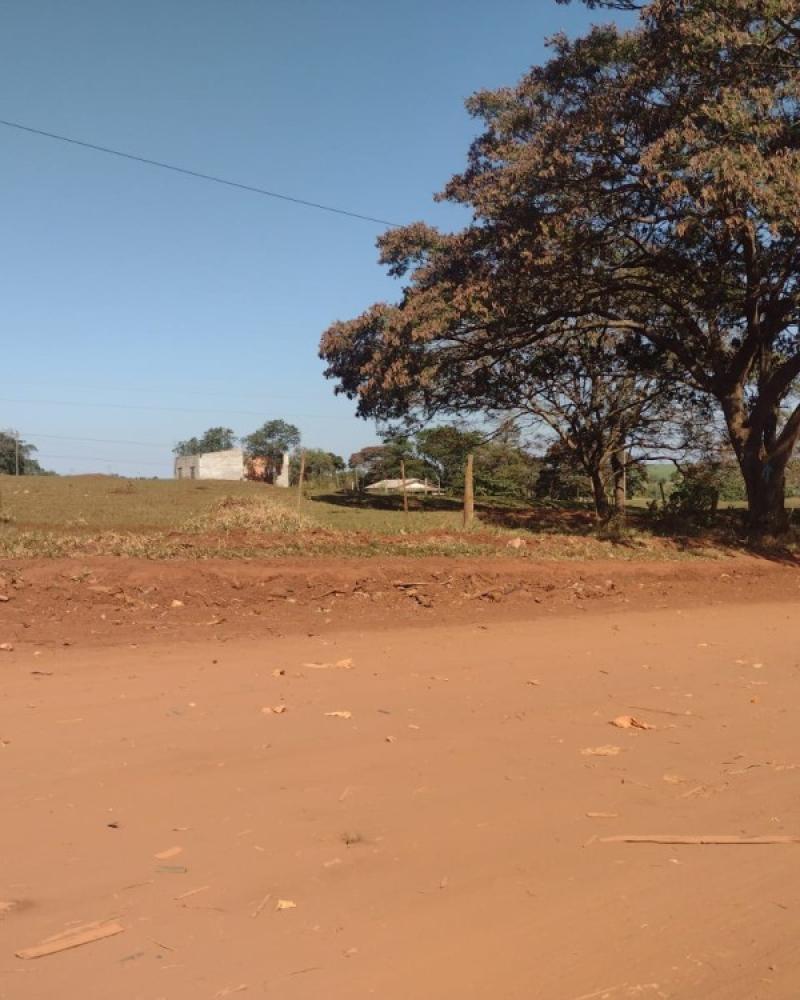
245 514
104 599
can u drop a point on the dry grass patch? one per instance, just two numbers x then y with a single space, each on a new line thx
251 515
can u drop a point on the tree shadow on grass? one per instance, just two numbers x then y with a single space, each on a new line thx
386 501
727 534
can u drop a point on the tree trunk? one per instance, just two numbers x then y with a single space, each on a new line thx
763 465
599 495
766 495
618 465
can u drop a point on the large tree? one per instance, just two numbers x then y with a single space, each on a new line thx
644 183
272 440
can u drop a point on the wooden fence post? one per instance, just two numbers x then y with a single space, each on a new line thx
405 491
469 492
301 477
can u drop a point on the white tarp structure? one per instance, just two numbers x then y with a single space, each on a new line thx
396 486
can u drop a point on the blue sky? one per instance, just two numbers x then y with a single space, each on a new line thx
141 306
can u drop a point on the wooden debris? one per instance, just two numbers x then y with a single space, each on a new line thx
191 892
344 714
261 905
171 852
345 664
604 751
663 711
700 839
630 722
286 904
74 938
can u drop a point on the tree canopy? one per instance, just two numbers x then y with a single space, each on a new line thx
320 465
214 439
16 455
272 440
644 184
503 465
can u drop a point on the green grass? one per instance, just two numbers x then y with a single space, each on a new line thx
73 515
86 515
104 503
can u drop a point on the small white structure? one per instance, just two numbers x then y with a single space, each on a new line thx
228 464
396 486
282 479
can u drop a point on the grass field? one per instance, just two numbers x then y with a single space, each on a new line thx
63 515
102 503
66 515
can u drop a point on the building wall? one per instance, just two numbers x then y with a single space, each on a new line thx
222 464
187 467
211 465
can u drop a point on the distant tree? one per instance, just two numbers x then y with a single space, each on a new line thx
400 447
382 461
272 440
214 439
561 476
603 405
504 468
320 466
191 446
444 450
368 463
721 478
793 478
10 447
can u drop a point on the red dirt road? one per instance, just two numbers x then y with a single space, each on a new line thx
438 843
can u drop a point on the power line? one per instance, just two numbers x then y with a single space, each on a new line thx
109 461
67 437
170 390
168 409
194 173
